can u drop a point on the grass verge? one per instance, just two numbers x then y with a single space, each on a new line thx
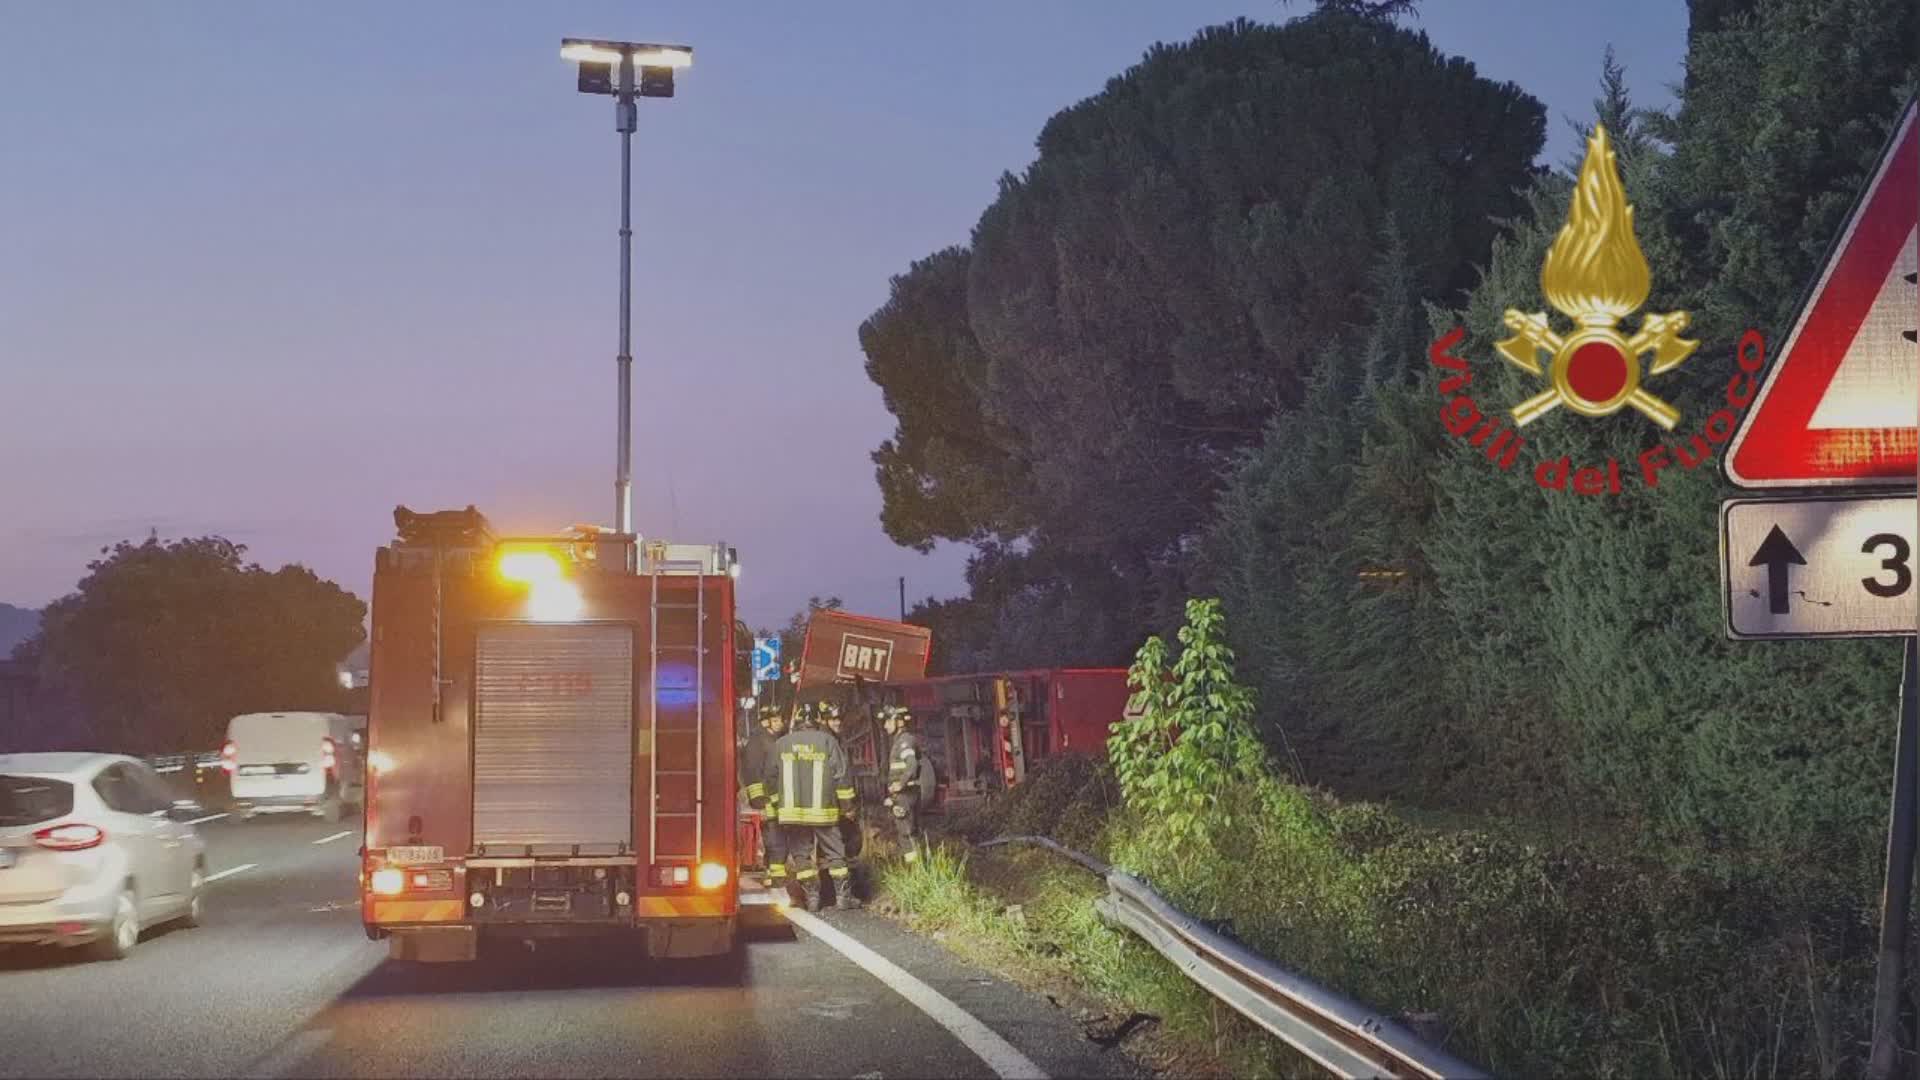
1029 915
1530 955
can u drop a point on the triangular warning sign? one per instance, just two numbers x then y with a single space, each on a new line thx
1838 405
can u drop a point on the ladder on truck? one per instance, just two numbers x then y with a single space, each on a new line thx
659 563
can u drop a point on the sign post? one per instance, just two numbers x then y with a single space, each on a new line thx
1896 896
1840 408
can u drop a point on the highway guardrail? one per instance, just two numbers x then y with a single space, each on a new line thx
1344 1037
173 763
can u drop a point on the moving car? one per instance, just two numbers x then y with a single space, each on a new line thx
294 762
94 849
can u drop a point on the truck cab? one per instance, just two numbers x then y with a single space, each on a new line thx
550 740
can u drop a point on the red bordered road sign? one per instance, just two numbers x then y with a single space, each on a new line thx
1838 405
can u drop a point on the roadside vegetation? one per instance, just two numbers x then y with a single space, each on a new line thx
1485 751
1530 954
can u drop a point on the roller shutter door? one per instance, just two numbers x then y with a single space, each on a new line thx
553 736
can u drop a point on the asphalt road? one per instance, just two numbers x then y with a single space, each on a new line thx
280 981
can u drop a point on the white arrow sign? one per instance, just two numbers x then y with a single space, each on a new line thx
1819 566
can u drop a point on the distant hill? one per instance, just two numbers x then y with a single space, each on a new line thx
16 625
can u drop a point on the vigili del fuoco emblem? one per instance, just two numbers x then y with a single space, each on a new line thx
1596 275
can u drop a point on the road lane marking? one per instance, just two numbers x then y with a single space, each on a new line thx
209 817
986 1044
342 835
230 871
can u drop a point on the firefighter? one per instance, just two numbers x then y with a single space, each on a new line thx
754 766
910 780
833 718
809 771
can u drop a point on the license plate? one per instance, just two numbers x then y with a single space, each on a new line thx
414 856
256 770
6 858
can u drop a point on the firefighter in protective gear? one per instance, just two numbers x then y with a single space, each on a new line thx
910 780
754 765
832 717
809 770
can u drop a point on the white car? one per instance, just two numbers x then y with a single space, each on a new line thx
93 851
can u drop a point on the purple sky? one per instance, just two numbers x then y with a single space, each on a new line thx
269 269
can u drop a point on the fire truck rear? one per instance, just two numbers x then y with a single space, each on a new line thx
550 741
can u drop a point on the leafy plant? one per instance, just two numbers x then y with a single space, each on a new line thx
1190 740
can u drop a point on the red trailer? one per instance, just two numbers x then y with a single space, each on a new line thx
985 731
550 741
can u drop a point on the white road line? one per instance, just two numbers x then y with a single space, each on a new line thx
342 835
209 817
999 1054
230 871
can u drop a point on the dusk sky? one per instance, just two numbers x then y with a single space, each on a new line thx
267 270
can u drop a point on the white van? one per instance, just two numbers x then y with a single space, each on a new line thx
294 762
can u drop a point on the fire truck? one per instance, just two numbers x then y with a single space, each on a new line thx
550 740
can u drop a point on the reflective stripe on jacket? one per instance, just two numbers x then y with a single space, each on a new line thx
909 766
809 771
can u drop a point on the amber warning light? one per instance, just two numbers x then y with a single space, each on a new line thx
550 597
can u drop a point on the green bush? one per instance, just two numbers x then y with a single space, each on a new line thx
1541 960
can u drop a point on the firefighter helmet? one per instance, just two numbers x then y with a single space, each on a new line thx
803 716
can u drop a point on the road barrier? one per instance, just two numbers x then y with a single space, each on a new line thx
1344 1037
196 776
174 763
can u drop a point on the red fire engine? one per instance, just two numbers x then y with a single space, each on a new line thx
550 740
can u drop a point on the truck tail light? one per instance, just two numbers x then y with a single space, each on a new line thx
327 758
69 837
667 877
388 881
711 876
228 756
430 880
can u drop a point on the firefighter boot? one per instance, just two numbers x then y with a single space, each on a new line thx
810 889
843 898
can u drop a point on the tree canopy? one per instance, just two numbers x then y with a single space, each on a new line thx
1072 388
163 641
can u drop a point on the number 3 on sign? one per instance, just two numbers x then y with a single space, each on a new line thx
1896 564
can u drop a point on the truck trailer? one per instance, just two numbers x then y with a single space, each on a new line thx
986 730
550 741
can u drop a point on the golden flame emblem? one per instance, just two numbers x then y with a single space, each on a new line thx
1596 275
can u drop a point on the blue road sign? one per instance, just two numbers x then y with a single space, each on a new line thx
766 659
